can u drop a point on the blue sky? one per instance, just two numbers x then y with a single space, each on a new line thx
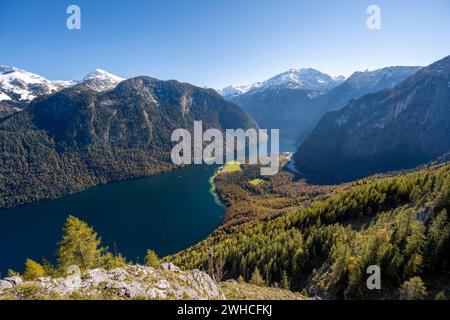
219 42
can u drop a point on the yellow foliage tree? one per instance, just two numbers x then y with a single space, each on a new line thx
33 270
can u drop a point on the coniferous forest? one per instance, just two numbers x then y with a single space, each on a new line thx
325 243
234 150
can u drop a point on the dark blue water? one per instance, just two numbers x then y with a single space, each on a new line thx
167 213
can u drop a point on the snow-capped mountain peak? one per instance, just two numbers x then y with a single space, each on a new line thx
100 73
233 91
21 85
7 69
101 80
307 79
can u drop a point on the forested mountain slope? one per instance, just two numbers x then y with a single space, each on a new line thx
78 137
400 223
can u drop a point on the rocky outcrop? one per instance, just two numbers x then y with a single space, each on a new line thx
8 283
130 282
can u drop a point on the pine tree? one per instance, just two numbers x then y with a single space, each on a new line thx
413 289
151 259
110 261
49 269
13 273
285 281
256 278
440 295
438 236
33 270
79 246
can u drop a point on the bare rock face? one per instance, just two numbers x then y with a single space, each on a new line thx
170 267
14 280
389 130
4 285
130 282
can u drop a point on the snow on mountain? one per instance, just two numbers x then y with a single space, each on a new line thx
20 85
23 86
386 77
308 79
4 97
65 83
233 91
100 80
339 78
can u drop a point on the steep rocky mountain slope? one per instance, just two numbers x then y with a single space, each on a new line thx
295 100
361 83
8 107
392 129
287 101
77 138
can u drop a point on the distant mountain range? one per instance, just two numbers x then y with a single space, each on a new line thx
306 79
391 129
295 100
79 137
19 87
71 135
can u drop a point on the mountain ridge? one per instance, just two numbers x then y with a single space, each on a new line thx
22 86
304 78
295 100
78 137
392 129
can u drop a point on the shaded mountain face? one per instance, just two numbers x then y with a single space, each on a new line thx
392 129
77 138
295 100
361 83
287 101
293 111
8 107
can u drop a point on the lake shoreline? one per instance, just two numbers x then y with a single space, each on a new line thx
132 215
214 193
